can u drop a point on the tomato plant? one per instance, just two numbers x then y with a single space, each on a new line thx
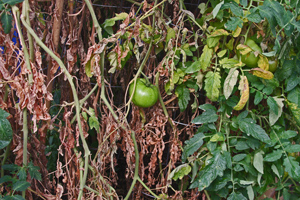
145 94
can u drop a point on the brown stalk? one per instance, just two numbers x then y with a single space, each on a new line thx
59 5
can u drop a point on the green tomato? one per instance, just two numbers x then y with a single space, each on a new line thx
250 59
273 65
145 95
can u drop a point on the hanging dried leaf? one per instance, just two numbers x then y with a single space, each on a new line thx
244 90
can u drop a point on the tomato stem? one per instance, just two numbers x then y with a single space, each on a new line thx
148 83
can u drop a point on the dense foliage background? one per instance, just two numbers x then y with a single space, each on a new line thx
226 125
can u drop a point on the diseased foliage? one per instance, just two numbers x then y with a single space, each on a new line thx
224 127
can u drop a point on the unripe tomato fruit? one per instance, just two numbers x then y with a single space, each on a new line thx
250 59
145 95
273 65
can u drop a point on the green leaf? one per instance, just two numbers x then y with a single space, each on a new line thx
217 9
3 114
230 82
234 7
171 34
241 145
243 182
254 17
249 127
286 70
94 123
112 21
207 106
275 170
195 67
12 2
6 178
272 105
234 22
34 172
183 95
275 155
293 148
294 96
250 192
239 157
273 117
258 97
258 162
215 168
228 63
6 20
244 3
6 133
179 172
236 196
192 145
205 57
267 12
213 41
292 167
22 174
20 186
212 85
11 167
14 197
292 82
208 116
286 194
288 134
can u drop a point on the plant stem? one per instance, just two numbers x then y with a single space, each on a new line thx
16 14
161 101
6 154
25 140
146 187
27 57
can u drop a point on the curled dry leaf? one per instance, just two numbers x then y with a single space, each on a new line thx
244 90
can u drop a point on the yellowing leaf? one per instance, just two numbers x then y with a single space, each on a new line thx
262 73
244 90
218 32
244 49
237 31
295 111
213 39
263 62
206 57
